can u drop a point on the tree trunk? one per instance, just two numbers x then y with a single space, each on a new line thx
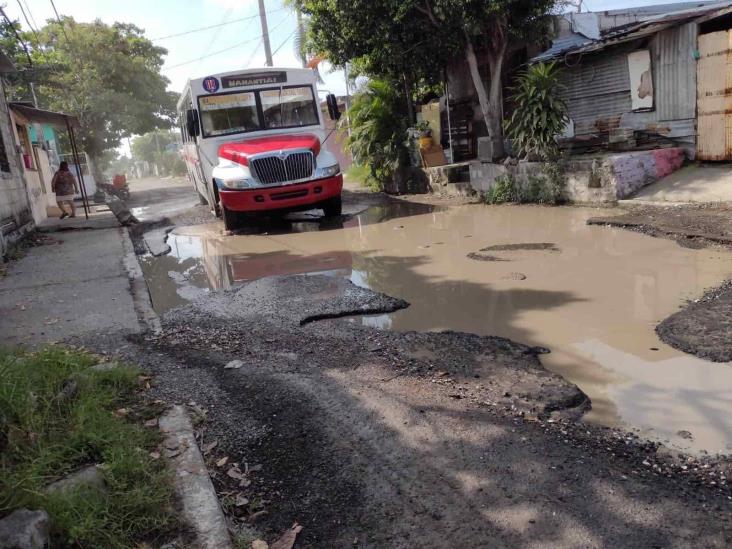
408 93
478 84
495 99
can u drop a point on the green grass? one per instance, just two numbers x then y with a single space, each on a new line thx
362 175
42 440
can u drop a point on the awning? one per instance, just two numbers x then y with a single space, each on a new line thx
41 116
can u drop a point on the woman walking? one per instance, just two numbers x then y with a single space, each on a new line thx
64 186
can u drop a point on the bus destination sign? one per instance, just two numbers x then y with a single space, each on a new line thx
253 79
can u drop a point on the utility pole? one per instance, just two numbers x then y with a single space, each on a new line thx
265 34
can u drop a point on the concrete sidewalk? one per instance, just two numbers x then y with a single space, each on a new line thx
692 184
77 284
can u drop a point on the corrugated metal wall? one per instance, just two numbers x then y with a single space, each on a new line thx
597 92
598 88
674 72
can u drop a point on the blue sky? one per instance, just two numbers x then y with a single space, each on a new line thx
241 40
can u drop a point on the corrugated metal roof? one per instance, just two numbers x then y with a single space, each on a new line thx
41 116
650 26
563 44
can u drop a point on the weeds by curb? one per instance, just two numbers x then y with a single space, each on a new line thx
44 438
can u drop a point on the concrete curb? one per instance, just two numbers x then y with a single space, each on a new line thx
140 293
201 509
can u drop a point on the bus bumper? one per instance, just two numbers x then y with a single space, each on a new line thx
285 197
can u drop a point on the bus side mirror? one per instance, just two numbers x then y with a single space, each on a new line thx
192 123
333 110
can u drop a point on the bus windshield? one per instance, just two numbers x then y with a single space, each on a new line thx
239 112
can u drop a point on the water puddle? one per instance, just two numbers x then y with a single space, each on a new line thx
541 276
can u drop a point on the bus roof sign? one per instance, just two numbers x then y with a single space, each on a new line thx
253 79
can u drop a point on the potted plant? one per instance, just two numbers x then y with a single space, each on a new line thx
425 134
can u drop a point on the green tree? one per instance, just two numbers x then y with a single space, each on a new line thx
154 147
387 39
489 25
147 147
107 75
413 40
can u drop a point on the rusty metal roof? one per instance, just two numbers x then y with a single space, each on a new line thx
41 116
650 26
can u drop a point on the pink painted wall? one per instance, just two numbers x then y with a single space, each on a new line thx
668 161
633 171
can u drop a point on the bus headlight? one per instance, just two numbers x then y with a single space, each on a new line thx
239 183
328 171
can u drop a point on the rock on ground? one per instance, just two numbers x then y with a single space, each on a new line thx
25 529
88 477
703 328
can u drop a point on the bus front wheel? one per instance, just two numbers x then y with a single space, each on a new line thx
232 219
333 207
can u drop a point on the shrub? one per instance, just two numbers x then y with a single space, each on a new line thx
546 187
502 191
540 114
379 130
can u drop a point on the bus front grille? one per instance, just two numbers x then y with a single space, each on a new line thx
281 169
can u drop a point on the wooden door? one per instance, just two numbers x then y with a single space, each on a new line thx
714 96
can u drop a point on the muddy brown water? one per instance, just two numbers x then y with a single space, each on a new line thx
593 295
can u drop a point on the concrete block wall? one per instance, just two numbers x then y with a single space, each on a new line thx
484 174
592 180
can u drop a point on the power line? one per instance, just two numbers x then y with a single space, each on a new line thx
254 52
25 16
210 54
200 29
27 7
58 18
221 51
216 35
285 41
17 37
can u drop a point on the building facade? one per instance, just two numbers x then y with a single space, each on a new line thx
16 216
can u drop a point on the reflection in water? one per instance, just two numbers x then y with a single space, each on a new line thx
593 296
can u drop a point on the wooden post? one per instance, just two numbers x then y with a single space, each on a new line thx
75 153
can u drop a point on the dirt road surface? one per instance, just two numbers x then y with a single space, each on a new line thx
371 436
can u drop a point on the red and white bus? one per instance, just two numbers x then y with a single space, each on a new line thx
254 141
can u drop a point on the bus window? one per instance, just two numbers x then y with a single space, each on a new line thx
289 107
229 113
